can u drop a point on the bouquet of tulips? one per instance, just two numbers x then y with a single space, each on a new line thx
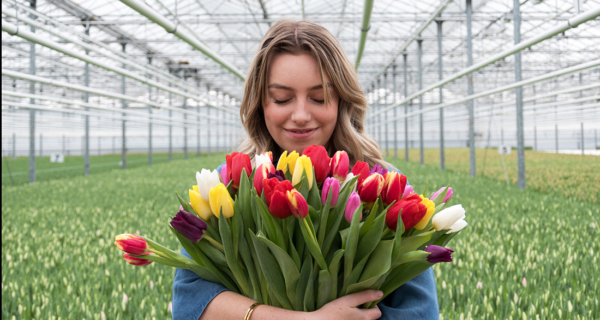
305 232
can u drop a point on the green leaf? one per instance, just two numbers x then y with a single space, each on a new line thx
236 227
250 267
417 255
336 216
212 252
334 268
443 240
225 279
401 275
186 206
311 243
372 238
161 260
288 268
325 288
305 271
412 243
368 221
354 275
324 216
440 197
314 197
351 244
309 294
273 230
271 271
398 238
379 262
187 245
232 261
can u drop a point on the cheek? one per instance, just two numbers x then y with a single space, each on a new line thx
274 116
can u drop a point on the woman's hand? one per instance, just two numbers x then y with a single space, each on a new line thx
346 307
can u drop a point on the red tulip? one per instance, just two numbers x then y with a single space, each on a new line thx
269 187
130 243
371 187
340 163
393 189
411 210
261 174
297 204
362 169
279 203
137 261
320 161
235 163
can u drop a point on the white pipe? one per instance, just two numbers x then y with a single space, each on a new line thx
44 41
99 92
410 40
539 78
561 27
171 27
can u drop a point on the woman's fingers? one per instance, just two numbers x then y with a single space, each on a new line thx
356 299
373 313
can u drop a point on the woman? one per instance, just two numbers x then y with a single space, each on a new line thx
302 90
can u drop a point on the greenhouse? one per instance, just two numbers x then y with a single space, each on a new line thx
110 107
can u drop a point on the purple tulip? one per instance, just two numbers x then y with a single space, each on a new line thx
448 195
408 190
328 184
379 169
188 225
353 204
224 175
438 254
278 174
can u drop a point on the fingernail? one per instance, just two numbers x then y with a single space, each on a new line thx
379 294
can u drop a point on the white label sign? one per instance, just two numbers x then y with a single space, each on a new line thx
504 149
57 158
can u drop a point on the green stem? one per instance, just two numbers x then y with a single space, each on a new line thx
312 236
214 242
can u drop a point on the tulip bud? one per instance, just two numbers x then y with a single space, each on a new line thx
236 162
410 209
458 225
351 206
130 243
200 206
331 184
188 225
371 187
408 190
320 160
261 174
286 161
378 169
348 178
269 155
297 204
448 194
224 175
340 163
206 180
430 210
269 187
393 188
438 254
261 159
277 174
303 163
137 261
277 197
220 200
447 217
360 169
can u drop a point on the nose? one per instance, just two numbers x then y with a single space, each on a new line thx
301 115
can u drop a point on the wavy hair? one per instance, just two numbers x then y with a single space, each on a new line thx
288 36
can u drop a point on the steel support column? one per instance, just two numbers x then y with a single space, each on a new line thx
582 141
470 91
440 77
420 77
385 103
185 131
123 123
519 98
208 150
32 101
14 146
149 118
41 144
395 89
378 106
197 126
405 67
170 128
86 95
556 137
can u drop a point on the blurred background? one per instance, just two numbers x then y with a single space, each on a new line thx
500 98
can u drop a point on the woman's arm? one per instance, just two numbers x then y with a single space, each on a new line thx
416 299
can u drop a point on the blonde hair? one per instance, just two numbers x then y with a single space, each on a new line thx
288 36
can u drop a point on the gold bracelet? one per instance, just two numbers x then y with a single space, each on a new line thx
251 309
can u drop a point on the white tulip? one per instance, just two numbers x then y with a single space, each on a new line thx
207 180
447 217
457 226
348 178
260 159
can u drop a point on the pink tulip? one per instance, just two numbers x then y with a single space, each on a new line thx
331 184
448 195
408 190
224 175
353 204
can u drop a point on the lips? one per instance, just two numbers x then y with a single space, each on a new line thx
298 131
301 133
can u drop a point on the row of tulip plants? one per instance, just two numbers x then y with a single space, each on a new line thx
306 231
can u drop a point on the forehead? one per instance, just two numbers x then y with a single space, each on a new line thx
294 69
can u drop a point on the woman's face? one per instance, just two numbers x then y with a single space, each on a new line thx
295 110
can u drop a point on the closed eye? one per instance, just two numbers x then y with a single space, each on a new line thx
281 101
319 101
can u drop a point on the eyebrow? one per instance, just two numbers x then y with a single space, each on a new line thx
278 86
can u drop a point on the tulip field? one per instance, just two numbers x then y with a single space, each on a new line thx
525 254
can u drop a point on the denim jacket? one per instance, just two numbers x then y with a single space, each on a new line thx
416 299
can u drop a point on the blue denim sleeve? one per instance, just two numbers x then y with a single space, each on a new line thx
416 299
191 294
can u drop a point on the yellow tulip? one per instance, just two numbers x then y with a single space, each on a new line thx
200 206
430 210
220 200
286 160
303 163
